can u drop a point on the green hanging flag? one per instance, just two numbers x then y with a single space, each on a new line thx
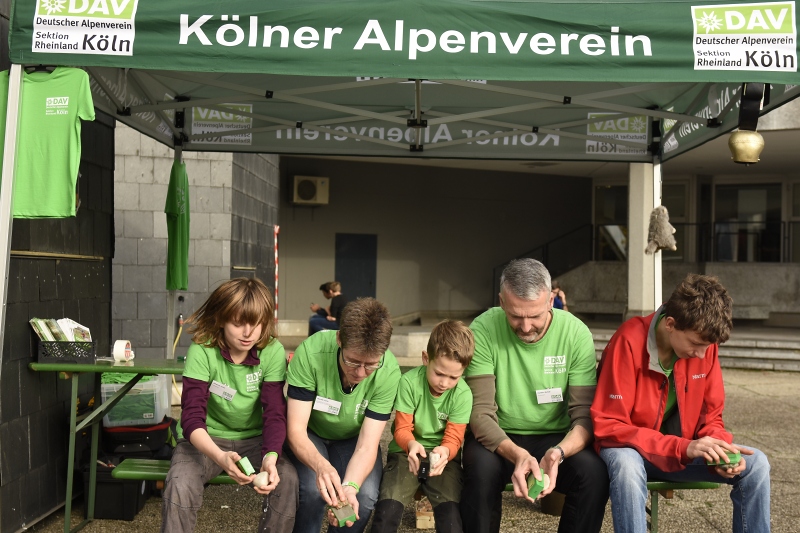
177 210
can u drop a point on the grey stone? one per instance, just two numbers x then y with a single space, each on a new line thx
152 305
124 305
217 275
152 251
208 253
126 251
198 279
138 279
152 197
138 224
199 226
136 331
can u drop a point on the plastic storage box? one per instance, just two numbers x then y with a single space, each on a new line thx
146 403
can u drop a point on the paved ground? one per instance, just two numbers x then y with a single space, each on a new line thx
761 411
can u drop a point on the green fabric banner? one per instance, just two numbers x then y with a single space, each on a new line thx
619 41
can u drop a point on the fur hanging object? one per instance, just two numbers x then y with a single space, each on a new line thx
660 233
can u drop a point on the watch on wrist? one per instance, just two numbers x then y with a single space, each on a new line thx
560 450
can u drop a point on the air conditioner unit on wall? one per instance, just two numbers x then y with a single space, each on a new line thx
309 190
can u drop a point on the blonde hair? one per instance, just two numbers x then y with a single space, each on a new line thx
241 301
451 339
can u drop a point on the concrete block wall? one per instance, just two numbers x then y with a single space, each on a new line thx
139 308
233 200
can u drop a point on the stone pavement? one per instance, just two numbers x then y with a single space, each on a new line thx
762 411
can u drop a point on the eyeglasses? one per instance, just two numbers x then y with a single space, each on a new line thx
367 368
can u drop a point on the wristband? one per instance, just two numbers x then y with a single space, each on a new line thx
560 450
271 453
351 484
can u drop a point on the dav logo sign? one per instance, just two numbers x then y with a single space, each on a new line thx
56 105
555 364
221 124
101 27
253 380
612 128
758 36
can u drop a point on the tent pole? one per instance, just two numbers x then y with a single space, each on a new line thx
418 111
657 273
172 295
7 186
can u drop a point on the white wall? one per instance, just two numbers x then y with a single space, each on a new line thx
440 231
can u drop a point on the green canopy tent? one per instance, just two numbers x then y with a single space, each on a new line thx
631 81
614 80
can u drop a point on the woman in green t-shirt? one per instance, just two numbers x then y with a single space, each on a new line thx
233 407
342 386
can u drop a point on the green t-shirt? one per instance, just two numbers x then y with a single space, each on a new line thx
177 210
315 367
564 357
430 414
49 142
240 417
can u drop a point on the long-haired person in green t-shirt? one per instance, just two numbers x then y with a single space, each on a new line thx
342 386
232 407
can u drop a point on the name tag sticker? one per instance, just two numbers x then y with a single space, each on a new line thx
223 391
549 395
326 405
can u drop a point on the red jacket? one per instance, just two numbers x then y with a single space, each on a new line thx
632 391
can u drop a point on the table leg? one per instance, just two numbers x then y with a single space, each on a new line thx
93 456
71 452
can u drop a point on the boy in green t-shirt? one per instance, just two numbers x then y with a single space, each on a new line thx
432 411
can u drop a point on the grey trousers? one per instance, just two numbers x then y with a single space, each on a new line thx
190 470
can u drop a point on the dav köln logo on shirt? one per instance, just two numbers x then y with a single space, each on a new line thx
555 364
102 27
56 105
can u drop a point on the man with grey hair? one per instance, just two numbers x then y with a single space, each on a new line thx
533 380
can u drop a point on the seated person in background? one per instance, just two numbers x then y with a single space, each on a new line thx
327 318
559 298
658 408
342 386
232 407
433 407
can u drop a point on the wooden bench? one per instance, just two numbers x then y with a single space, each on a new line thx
155 470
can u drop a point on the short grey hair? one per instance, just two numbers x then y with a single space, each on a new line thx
525 278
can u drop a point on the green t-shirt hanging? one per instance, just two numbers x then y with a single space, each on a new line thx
240 417
564 357
177 210
315 367
431 414
49 142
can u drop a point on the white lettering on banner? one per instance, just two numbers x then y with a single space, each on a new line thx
612 127
442 133
757 36
555 364
101 27
203 29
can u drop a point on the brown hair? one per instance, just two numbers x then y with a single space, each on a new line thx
241 301
334 286
451 339
366 327
701 304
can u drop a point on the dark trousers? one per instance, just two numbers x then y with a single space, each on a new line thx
582 478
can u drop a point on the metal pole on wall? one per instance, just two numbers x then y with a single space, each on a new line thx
7 185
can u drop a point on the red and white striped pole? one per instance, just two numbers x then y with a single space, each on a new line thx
277 229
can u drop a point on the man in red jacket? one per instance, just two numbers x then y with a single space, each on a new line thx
657 412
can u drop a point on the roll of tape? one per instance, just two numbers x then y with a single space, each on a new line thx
122 351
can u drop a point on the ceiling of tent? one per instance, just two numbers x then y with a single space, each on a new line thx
555 80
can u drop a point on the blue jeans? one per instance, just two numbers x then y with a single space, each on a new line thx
320 323
629 471
312 506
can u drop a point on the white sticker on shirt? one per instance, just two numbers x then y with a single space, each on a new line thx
549 395
223 391
326 405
